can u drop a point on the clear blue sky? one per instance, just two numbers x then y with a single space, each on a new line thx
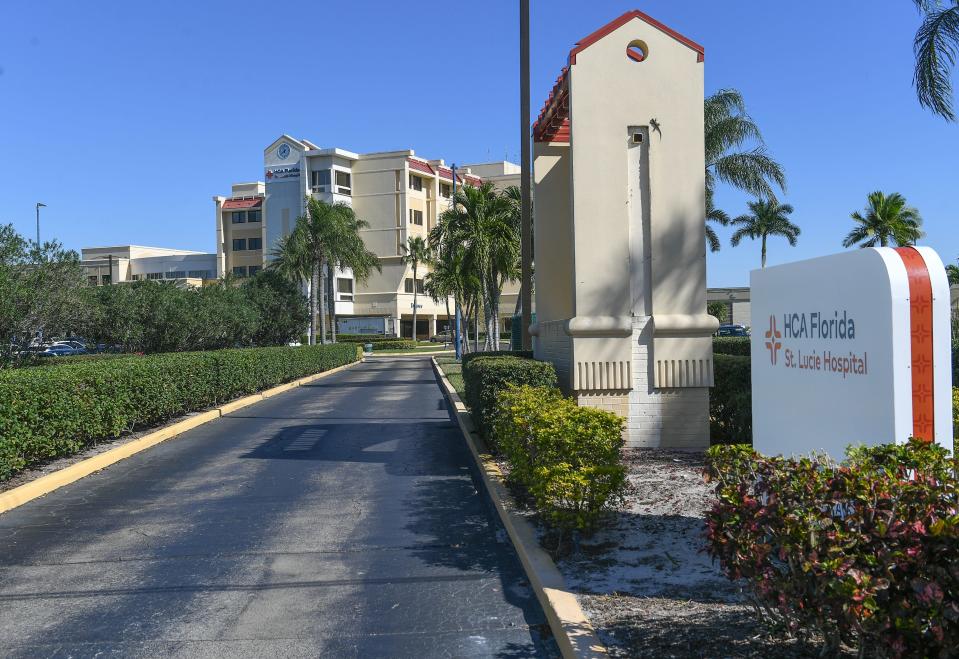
127 117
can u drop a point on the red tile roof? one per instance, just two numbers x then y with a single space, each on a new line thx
243 203
552 125
475 181
447 173
420 166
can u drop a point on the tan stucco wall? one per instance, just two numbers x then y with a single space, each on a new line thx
553 235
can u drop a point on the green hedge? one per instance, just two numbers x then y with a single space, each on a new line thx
486 376
365 338
523 354
566 456
864 553
731 345
730 401
55 411
395 344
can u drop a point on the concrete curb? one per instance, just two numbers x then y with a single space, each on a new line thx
50 482
574 633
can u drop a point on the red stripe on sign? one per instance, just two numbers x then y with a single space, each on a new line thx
920 320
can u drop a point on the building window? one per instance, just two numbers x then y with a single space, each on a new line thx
446 190
154 275
344 287
253 269
199 274
343 183
239 271
254 243
176 274
320 180
409 285
416 217
416 182
134 277
254 216
92 280
239 244
105 279
238 217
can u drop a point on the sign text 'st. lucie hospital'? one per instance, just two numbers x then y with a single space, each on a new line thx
851 348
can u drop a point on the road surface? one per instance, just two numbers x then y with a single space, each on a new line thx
339 519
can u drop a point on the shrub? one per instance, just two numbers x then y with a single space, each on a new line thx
365 338
57 410
566 456
863 553
485 377
395 344
730 401
955 413
523 354
732 345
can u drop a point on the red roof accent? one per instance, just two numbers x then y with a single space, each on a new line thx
420 166
552 125
475 181
447 173
243 203
583 44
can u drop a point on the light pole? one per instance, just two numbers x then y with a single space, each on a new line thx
39 206
456 335
526 247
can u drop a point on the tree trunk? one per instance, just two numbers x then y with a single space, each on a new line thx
332 293
323 303
449 325
414 301
312 286
764 252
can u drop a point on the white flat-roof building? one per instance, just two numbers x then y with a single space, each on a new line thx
399 194
123 263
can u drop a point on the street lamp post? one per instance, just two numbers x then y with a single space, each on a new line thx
39 206
526 247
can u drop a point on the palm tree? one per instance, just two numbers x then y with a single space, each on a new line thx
728 129
718 216
347 250
484 224
936 45
449 275
415 251
768 218
952 271
886 219
291 258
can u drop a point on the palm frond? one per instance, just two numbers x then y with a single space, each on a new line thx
935 46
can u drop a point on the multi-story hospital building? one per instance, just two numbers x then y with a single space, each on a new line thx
398 193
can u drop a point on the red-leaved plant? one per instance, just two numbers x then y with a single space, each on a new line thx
865 553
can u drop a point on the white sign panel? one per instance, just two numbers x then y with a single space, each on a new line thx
852 348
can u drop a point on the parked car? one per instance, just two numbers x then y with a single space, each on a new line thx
76 345
446 336
61 351
732 330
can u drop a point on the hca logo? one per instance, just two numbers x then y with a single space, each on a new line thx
772 340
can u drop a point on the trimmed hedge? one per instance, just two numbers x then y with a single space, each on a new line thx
864 553
566 456
732 345
485 376
731 400
55 411
522 354
366 338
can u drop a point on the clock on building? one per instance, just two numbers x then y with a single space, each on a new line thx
283 152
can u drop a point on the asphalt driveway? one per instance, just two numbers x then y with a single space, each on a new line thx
338 519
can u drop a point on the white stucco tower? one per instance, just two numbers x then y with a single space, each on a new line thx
619 231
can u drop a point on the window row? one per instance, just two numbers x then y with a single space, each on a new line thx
245 244
242 217
344 287
321 179
174 274
416 217
408 284
245 271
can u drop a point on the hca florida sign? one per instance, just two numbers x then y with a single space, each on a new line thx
852 348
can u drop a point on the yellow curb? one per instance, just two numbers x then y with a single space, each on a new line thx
239 403
50 482
574 633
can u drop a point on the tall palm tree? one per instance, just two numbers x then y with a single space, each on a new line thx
291 258
449 274
729 131
347 250
768 218
415 252
718 216
936 46
885 219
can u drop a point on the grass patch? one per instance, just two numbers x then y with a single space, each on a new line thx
454 372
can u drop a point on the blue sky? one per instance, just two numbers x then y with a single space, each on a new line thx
127 117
